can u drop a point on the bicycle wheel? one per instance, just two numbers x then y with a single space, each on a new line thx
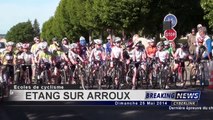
142 78
162 79
193 77
128 79
181 77
154 79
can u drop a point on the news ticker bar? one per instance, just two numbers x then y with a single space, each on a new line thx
104 95
108 103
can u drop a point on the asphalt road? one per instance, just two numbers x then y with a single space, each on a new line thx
69 112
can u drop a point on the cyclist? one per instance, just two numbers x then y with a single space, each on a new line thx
139 58
28 59
45 59
35 47
65 45
18 60
151 49
74 57
8 60
83 48
97 57
60 60
116 57
168 48
161 55
54 45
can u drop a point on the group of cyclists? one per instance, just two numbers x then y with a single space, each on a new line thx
33 59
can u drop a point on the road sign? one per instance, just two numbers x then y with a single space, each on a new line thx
170 34
172 18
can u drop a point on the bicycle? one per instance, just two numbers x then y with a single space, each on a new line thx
180 76
116 73
197 73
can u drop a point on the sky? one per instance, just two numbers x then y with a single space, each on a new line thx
16 11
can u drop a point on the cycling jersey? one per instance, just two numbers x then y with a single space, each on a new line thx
58 55
108 48
138 54
182 54
19 58
52 48
96 54
45 57
7 57
170 50
162 55
116 52
27 56
73 55
151 50
34 48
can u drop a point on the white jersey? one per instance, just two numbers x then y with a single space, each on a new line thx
181 54
96 54
162 55
27 57
73 55
116 51
138 55
130 53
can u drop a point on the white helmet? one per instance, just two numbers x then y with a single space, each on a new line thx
43 45
151 40
166 42
18 45
117 39
73 45
98 41
9 43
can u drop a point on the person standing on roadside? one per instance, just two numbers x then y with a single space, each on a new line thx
191 41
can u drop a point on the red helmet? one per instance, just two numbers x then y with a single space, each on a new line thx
129 43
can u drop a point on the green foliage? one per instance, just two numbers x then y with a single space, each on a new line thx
36 28
74 18
22 32
207 6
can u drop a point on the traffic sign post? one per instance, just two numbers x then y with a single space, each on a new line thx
172 18
170 34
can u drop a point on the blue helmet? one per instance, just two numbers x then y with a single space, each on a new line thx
82 41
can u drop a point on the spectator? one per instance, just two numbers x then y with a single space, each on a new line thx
191 41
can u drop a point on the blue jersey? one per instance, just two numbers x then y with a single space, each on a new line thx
108 48
208 45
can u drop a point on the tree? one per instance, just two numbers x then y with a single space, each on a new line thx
21 32
207 6
36 28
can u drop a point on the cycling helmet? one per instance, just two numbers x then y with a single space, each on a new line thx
117 39
82 41
151 40
139 44
35 38
98 41
166 42
43 45
9 43
159 44
18 45
25 45
129 43
54 39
